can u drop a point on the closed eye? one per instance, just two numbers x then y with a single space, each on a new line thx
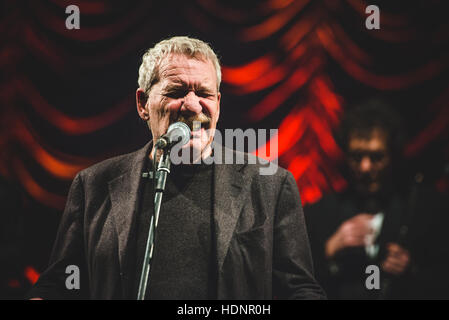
204 94
176 94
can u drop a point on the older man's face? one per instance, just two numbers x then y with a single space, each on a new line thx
186 91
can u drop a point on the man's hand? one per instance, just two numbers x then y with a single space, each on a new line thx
397 259
354 232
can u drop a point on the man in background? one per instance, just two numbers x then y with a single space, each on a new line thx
377 221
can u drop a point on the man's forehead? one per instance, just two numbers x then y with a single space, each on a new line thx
175 68
375 139
176 60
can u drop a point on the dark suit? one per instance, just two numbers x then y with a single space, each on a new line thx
423 212
262 244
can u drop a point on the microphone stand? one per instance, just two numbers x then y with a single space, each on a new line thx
163 169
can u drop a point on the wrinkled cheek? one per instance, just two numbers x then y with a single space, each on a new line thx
167 109
211 109
173 107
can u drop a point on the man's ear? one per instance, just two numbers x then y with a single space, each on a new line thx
141 102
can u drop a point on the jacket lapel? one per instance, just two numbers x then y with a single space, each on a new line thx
229 196
125 193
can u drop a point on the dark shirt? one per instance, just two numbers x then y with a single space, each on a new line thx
183 261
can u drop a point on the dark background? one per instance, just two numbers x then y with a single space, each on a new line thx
67 96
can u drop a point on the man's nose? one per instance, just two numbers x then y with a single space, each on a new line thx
191 104
365 164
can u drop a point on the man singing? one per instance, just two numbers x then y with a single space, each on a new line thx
225 231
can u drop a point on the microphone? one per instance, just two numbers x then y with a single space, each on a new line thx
177 132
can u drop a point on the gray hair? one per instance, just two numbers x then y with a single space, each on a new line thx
151 60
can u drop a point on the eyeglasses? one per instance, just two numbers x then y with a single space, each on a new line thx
374 156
